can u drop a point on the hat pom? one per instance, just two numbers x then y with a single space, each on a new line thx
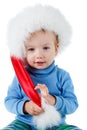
51 117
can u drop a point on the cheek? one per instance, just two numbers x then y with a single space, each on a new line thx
50 56
29 57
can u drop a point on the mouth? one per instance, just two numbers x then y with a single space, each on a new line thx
39 63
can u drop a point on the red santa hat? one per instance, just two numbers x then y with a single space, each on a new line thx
32 19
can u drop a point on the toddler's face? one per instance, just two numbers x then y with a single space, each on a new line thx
41 49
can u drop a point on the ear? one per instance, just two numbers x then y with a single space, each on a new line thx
56 49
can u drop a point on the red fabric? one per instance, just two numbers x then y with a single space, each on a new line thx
25 80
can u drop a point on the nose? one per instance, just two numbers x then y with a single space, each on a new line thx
39 54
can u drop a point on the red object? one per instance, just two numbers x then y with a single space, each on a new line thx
25 80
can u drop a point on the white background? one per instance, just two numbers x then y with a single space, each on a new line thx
73 59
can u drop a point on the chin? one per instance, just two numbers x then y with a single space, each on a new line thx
40 67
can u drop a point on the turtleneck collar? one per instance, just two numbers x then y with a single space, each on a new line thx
39 72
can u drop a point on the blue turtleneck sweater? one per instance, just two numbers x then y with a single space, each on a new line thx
59 84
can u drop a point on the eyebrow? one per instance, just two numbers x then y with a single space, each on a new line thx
31 46
28 46
46 44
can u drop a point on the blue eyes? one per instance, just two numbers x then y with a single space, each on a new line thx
32 49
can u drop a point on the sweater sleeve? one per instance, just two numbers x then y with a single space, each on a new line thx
66 102
15 98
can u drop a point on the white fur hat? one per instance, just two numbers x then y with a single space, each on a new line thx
32 19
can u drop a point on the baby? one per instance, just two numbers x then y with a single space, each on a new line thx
36 36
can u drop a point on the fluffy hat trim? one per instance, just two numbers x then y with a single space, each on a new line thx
51 117
32 19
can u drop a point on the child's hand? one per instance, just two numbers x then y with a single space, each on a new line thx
32 109
43 89
45 94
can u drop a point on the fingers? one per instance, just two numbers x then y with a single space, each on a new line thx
43 89
49 99
33 109
37 111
